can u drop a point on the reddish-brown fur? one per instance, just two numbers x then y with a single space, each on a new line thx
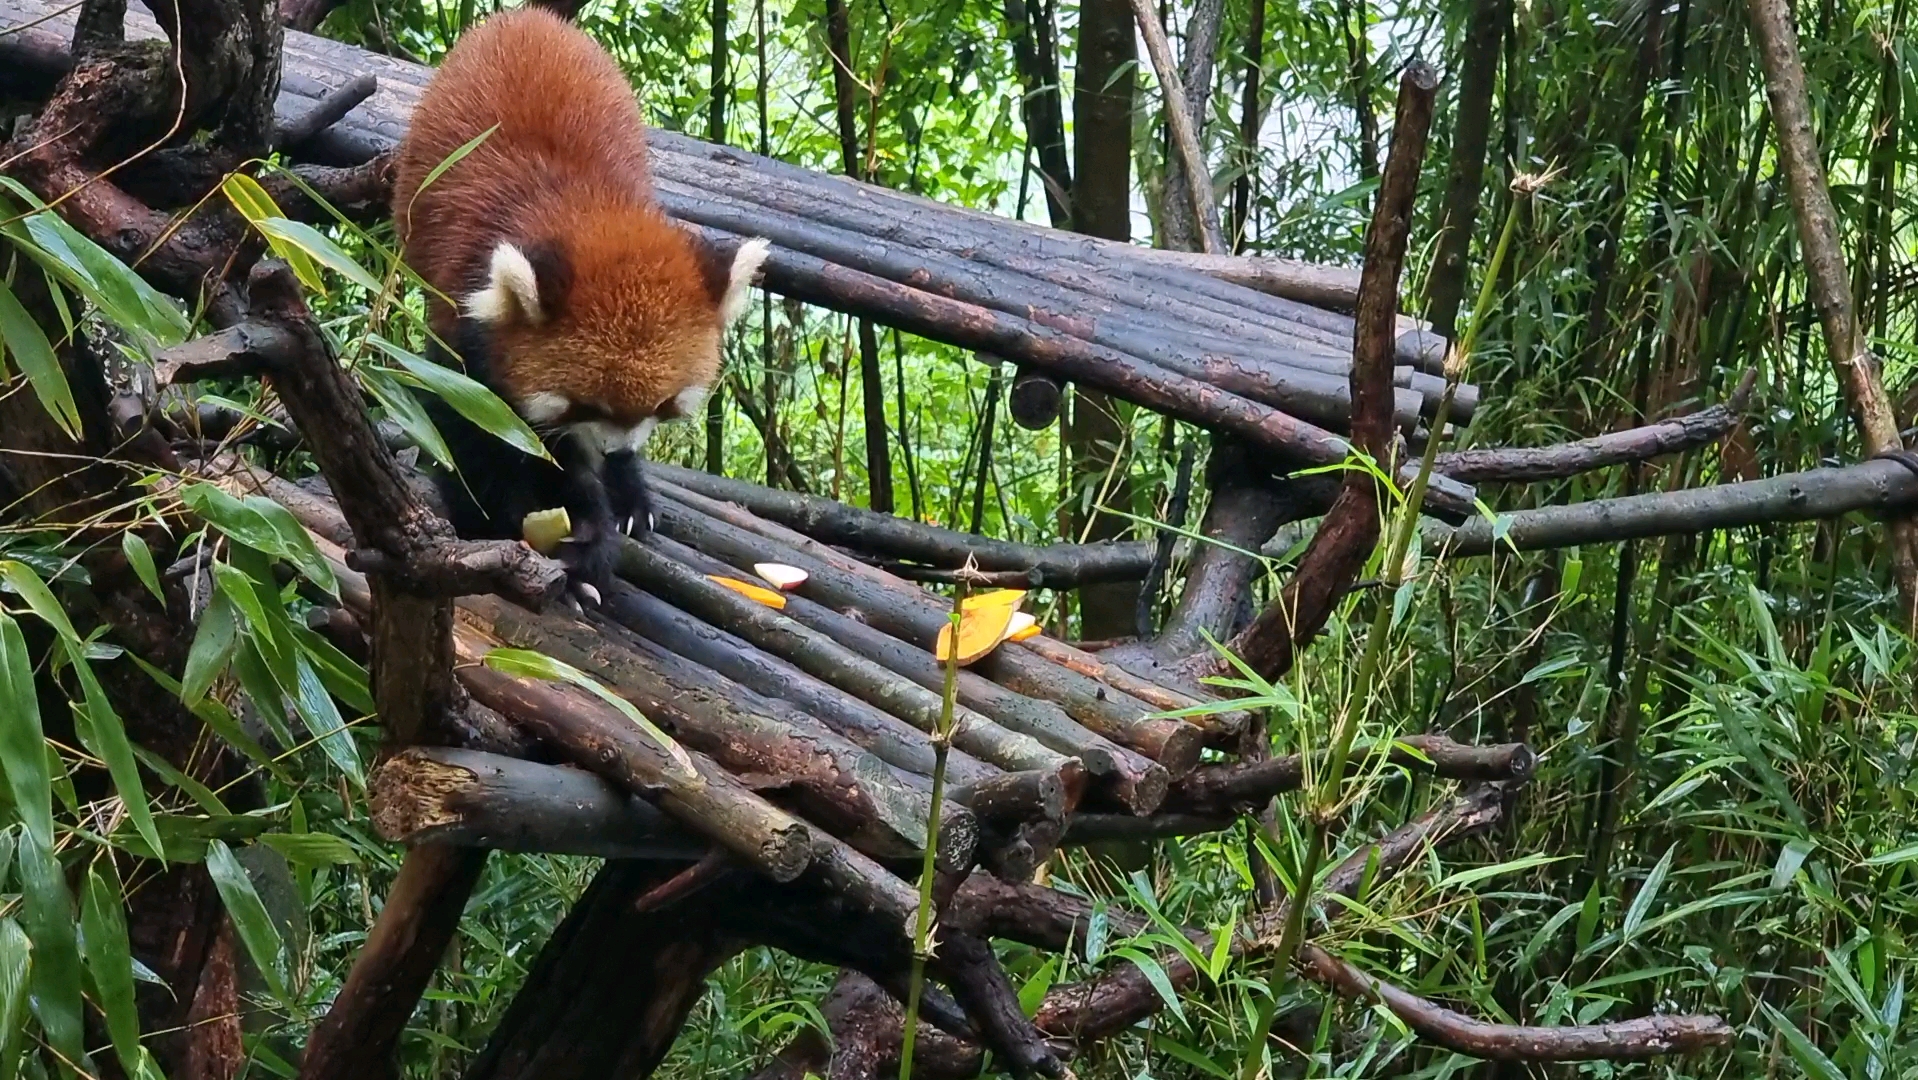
632 309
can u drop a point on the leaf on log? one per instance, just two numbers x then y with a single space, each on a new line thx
985 620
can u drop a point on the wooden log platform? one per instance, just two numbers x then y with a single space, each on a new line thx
1187 337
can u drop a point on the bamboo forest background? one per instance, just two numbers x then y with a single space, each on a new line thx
1756 856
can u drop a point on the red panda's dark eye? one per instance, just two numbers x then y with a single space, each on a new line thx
668 409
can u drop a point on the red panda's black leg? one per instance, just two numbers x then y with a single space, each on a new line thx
592 551
626 489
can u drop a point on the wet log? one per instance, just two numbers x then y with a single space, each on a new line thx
466 798
880 733
597 737
1877 487
824 658
1282 372
420 916
1225 789
1624 1040
1035 399
1523 465
1059 567
913 615
826 778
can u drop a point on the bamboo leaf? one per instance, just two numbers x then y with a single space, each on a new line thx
1810 1059
110 960
249 916
213 647
102 732
1647 892
320 247
46 909
257 207
312 849
23 744
30 349
526 664
16 974
140 557
467 397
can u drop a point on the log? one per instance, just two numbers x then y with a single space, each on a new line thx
1059 566
1509 464
912 615
1226 789
824 658
826 778
1879 487
1283 372
597 737
882 734
1035 399
466 798
1624 1040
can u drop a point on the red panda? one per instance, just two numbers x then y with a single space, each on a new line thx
579 302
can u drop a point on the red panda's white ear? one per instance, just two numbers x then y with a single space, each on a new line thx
746 263
512 290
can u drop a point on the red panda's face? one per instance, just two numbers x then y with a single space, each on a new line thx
613 329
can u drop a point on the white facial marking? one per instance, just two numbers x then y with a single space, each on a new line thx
746 263
543 407
512 289
688 401
602 438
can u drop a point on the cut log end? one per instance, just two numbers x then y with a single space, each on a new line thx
410 793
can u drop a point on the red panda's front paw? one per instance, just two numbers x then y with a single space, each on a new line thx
589 556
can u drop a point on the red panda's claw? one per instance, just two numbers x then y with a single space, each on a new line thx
586 590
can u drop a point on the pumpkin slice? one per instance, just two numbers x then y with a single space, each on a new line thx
1023 625
544 529
782 577
750 591
983 620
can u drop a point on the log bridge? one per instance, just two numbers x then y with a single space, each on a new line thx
795 803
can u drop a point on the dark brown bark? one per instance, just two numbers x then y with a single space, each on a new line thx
1877 487
612 987
734 536
1035 51
823 658
1477 70
1059 567
1351 528
357 1036
1104 90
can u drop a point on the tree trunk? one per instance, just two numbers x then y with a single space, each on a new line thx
1860 376
1465 181
1102 103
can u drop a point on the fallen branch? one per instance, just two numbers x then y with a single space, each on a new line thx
1878 487
1526 464
1225 789
1624 1040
